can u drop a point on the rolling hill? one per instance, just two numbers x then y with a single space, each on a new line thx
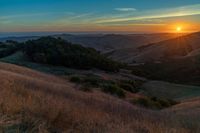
67 99
180 47
27 98
175 60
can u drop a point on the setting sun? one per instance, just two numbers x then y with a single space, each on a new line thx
179 29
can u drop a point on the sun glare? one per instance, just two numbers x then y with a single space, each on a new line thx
179 29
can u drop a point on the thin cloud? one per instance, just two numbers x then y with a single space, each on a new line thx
125 9
74 19
23 15
32 15
156 14
81 16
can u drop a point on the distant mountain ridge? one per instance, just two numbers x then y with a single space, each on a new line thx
104 42
132 48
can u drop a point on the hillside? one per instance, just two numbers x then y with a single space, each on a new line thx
87 100
177 47
89 95
175 60
172 48
27 98
58 52
182 71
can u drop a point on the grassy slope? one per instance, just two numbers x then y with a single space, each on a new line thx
153 88
30 102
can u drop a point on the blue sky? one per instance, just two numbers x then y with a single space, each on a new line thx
97 15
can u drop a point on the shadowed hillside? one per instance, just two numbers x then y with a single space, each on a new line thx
58 52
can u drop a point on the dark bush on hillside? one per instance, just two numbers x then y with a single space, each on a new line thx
2 45
148 103
88 82
114 90
75 79
139 72
127 87
86 87
9 48
155 103
130 85
49 50
93 81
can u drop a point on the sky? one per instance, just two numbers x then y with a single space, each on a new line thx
141 16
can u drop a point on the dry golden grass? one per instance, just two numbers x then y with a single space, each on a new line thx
43 103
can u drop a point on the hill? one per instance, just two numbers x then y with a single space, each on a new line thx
58 52
31 102
175 60
180 47
81 99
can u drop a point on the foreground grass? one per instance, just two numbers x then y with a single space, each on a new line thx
31 102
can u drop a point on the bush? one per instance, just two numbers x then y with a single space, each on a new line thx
75 79
114 90
148 103
93 81
155 103
86 88
8 49
127 87
139 72
90 81
130 85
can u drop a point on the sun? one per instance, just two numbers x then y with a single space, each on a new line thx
178 28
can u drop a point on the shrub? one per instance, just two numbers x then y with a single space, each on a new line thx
75 79
93 81
154 102
86 88
8 49
114 90
139 72
130 85
148 103
108 86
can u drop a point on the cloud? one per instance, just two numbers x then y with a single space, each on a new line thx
188 10
84 15
125 9
73 19
14 16
22 15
